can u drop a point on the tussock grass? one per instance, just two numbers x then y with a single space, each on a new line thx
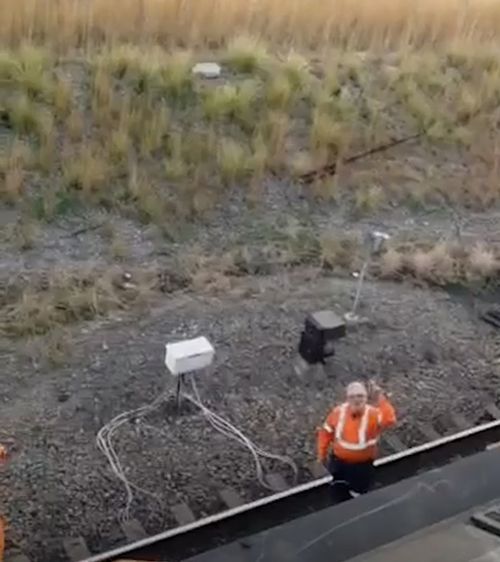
437 264
441 263
274 129
328 134
231 102
24 233
18 154
297 69
152 130
482 262
233 160
118 248
62 98
60 298
27 70
176 79
13 164
391 264
339 251
279 93
150 70
88 170
148 203
12 185
52 350
176 165
211 274
74 125
246 54
369 199
27 117
119 144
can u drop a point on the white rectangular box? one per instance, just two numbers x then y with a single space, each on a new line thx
188 355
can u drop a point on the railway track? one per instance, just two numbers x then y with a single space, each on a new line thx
241 519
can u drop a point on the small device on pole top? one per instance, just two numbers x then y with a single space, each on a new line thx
375 241
187 356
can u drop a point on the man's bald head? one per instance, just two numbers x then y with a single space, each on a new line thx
356 389
357 395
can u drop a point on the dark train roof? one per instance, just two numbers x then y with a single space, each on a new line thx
388 516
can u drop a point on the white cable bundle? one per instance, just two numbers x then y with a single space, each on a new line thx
229 430
104 441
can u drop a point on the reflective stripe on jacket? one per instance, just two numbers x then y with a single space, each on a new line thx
354 437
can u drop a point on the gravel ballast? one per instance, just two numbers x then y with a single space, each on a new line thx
427 348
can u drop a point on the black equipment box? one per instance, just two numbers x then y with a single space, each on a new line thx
330 325
320 330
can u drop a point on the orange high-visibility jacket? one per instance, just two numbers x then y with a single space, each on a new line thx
354 437
2 539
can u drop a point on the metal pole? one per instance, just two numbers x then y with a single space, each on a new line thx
360 285
178 393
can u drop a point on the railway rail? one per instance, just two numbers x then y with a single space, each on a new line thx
193 536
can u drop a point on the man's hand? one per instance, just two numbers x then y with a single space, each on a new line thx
321 461
374 391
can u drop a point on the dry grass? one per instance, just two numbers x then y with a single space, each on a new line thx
44 304
328 135
369 199
233 160
211 274
441 263
12 188
24 233
340 252
74 125
62 98
49 301
28 71
232 102
391 264
60 298
482 262
27 117
360 24
246 54
16 159
87 170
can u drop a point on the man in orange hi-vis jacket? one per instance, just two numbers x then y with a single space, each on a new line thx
3 458
351 431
